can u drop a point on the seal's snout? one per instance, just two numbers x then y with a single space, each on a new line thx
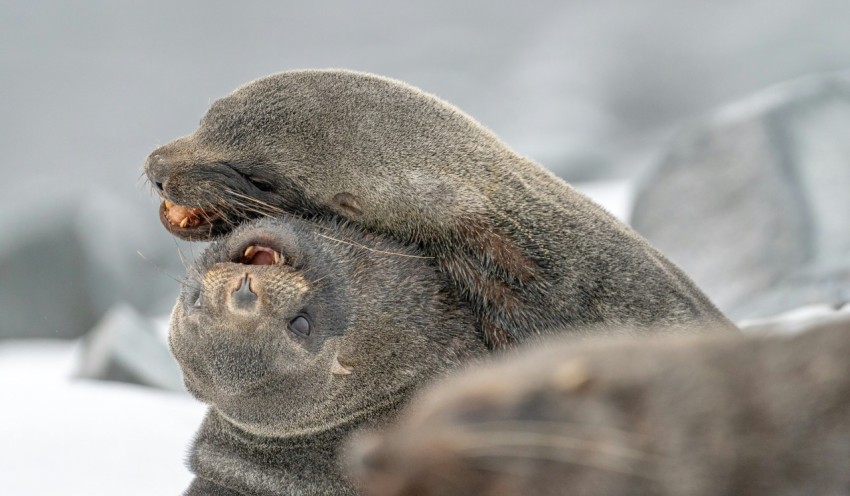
243 292
156 167
192 222
244 298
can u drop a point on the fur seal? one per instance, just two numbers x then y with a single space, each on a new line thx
681 416
531 254
295 333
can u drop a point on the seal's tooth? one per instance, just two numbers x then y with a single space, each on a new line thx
338 369
184 222
249 252
168 204
276 257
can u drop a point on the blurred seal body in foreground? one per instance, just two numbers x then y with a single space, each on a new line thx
531 254
296 333
683 416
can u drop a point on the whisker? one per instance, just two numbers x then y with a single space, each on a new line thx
566 449
254 205
248 208
532 440
180 254
166 274
577 459
364 247
316 282
271 208
547 427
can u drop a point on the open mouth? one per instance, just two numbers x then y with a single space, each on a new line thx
187 218
193 224
260 255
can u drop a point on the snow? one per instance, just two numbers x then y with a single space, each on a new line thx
64 436
796 320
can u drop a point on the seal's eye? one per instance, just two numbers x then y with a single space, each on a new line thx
257 182
260 184
300 325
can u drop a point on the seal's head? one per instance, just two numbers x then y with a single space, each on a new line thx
288 327
333 143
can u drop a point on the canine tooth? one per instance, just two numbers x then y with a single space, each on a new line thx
168 204
249 252
276 257
338 369
184 222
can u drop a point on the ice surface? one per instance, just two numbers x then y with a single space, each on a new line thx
77 437
796 320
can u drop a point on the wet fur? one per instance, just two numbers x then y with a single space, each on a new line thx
681 416
529 253
277 413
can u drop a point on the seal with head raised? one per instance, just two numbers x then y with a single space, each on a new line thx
295 333
679 416
531 254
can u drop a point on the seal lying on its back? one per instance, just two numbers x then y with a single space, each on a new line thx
668 417
295 338
531 254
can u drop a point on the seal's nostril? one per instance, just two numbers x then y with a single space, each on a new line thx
157 167
244 298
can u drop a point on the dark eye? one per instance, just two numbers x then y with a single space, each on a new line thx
260 184
300 325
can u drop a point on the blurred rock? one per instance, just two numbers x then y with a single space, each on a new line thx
126 347
69 252
752 201
42 264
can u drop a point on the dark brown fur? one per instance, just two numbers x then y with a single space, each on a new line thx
530 254
681 416
278 410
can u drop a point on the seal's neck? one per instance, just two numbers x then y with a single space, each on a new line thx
225 456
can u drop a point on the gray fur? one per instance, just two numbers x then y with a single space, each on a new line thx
531 254
277 412
681 416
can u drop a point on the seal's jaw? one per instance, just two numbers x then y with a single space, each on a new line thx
192 224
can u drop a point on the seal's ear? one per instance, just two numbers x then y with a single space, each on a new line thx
348 204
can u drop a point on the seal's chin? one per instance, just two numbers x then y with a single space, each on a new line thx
192 224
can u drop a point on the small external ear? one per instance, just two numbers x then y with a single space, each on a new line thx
348 203
337 368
